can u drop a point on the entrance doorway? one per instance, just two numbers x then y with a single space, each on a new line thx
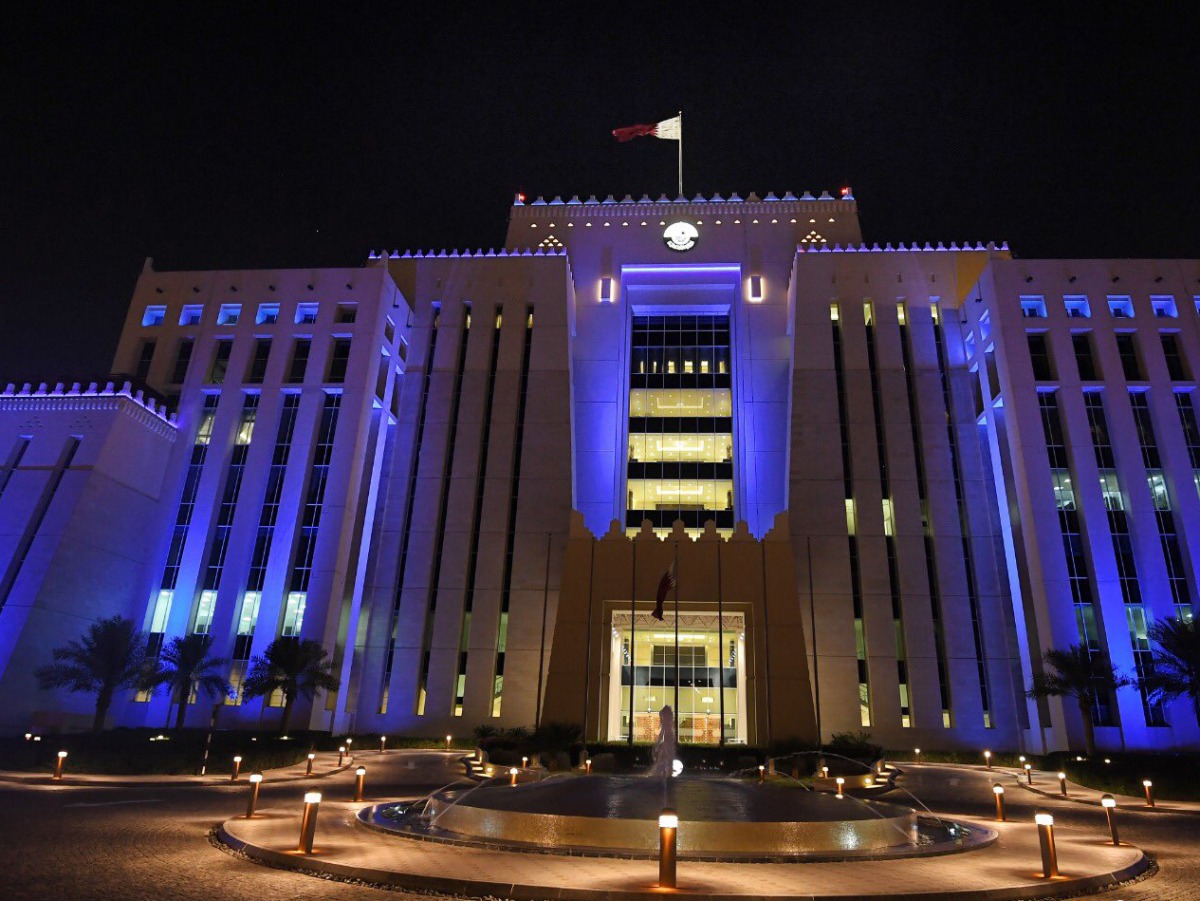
710 661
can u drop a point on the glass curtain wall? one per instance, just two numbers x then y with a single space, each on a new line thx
711 660
680 463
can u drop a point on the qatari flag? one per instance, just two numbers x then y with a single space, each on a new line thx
667 130
664 586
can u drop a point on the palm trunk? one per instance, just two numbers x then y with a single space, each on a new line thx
181 710
1089 731
288 701
103 702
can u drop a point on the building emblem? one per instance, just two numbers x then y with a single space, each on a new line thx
681 236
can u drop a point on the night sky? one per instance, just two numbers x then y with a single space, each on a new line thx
213 136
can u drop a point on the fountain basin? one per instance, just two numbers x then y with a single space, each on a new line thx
717 816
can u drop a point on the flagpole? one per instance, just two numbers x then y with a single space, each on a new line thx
675 573
681 153
632 637
720 646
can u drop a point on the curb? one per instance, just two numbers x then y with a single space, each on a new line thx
527 892
1141 808
166 782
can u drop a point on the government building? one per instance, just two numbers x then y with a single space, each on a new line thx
871 484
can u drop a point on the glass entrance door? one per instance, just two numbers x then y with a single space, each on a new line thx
709 661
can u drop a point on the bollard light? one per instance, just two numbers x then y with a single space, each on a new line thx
382 743
1021 758
917 751
349 742
524 763
37 738
1029 773
28 736
824 772
252 803
840 783
762 773
998 791
512 776
987 756
587 766
1149 787
58 767
360 778
1045 824
448 742
237 768
1062 783
1107 760
341 754
668 827
308 822
308 769
1109 803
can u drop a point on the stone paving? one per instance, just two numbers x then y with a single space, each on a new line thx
325 764
1009 869
151 843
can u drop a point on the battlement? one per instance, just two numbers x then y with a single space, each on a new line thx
466 253
844 194
79 397
915 246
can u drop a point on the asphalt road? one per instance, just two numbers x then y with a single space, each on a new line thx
127 844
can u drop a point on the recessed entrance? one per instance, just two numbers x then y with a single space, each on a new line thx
708 654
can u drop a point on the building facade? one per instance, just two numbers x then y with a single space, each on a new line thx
884 481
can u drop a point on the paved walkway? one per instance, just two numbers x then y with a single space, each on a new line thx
1045 782
1010 869
325 764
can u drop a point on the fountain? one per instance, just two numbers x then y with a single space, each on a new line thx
722 817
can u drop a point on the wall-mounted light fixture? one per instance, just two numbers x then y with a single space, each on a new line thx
756 290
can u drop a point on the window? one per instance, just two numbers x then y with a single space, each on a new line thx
191 314
338 360
204 612
1033 307
346 313
1077 306
220 363
1129 357
154 315
306 313
299 360
1174 357
145 358
229 314
1084 358
293 614
1120 307
1164 307
1039 355
183 356
258 365
268 314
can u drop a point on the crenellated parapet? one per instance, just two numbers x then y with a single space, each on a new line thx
466 253
900 246
92 396
844 194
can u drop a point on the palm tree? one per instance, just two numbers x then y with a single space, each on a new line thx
297 668
1076 672
108 658
1176 669
184 666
